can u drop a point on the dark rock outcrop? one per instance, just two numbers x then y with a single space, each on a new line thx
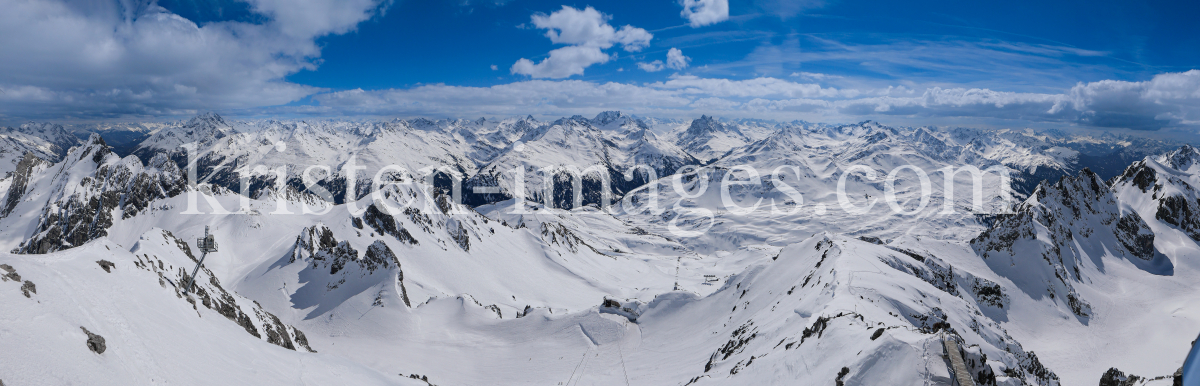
10 273
106 265
1182 213
20 182
384 223
247 314
108 186
28 288
1114 377
95 342
1078 218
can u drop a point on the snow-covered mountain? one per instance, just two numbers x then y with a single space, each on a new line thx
76 200
45 141
612 147
402 284
708 139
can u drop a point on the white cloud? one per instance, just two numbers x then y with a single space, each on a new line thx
1150 105
654 66
814 76
562 63
676 60
714 104
1166 101
117 57
588 33
495 67
750 88
700 13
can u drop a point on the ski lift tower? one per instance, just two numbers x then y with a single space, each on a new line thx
206 245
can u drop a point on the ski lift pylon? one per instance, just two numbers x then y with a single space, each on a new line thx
205 244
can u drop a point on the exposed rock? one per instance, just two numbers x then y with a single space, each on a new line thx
16 190
1114 377
94 342
1136 236
384 223
10 273
75 215
1076 213
301 340
380 256
460 234
28 288
247 314
106 265
736 344
842 374
1182 213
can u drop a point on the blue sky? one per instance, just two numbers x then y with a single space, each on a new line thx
447 42
1111 65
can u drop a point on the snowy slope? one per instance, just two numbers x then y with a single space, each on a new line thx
47 142
506 291
707 138
150 334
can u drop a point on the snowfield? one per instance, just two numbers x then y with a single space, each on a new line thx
1058 275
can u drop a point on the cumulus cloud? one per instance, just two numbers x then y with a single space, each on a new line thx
1167 100
588 33
654 66
700 13
589 27
115 57
562 63
676 60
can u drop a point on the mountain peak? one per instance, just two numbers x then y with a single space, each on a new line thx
207 118
1183 158
607 117
705 124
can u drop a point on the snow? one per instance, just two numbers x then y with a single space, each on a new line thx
513 292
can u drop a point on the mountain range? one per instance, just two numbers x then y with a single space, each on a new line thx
466 252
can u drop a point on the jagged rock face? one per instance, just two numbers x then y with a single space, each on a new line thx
459 234
28 166
1136 236
1042 245
334 271
1183 159
1167 185
95 342
707 138
1114 377
76 214
248 314
384 223
1182 213
311 240
380 256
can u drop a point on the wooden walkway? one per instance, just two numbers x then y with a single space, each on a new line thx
956 362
